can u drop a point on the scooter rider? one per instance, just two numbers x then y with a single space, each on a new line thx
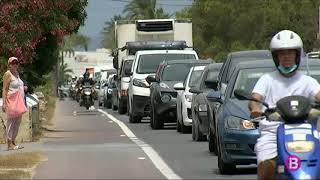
286 48
87 78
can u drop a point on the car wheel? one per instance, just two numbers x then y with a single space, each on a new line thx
178 126
157 120
151 116
211 142
224 168
114 107
121 108
108 104
193 131
134 119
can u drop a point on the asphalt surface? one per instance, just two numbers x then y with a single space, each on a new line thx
189 159
86 145
89 145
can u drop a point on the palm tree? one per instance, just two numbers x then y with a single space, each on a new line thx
64 73
144 9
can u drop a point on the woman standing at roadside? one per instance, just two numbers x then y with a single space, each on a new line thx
13 102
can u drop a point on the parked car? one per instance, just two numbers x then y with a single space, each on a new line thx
184 99
233 139
162 93
200 105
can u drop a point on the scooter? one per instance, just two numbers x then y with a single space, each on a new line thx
297 137
87 97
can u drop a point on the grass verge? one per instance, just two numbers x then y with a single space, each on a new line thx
19 165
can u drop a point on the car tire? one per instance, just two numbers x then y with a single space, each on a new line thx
197 133
212 143
151 117
108 104
193 131
157 120
121 108
114 107
224 168
178 126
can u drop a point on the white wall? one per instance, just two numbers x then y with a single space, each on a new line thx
82 60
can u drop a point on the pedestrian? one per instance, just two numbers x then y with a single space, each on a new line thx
13 102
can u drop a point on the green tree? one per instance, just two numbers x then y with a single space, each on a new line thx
223 26
142 9
65 73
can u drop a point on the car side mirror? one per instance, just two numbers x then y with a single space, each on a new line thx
215 96
150 79
115 62
178 86
212 84
195 90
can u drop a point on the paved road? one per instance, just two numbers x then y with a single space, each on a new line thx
90 144
189 159
86 145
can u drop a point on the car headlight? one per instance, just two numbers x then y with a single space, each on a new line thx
188 97
73 85
164 85
237 123
202 107
165 98
300 146
139 83
87 93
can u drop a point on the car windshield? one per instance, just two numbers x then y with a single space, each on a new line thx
247 78
175 72
148 63
195 78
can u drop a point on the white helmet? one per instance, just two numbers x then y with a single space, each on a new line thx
285 40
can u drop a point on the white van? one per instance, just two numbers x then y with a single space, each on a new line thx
146 63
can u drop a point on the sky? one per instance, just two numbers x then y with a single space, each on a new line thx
100 11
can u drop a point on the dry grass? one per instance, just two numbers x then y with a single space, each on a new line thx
15 174
19 165
20 160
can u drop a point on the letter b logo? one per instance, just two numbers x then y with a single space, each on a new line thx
293 163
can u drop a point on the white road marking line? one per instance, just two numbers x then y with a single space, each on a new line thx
152 154
122 135
141 158
110 121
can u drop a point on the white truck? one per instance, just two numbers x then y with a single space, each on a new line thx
146 35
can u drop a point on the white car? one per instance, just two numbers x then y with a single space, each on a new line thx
101 85
145 64
184 99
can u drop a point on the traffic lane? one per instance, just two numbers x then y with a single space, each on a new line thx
187 158
87 145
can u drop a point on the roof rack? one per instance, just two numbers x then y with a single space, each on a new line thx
155 45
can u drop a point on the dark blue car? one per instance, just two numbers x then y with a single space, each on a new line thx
233 138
